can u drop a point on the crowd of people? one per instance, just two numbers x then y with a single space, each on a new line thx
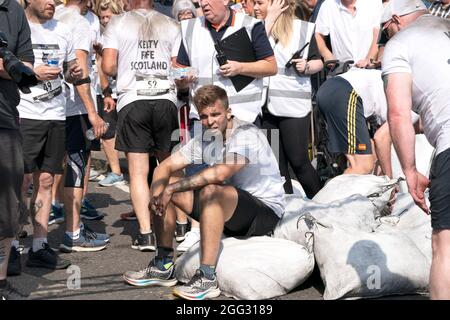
240 80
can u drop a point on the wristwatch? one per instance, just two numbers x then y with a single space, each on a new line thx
107 92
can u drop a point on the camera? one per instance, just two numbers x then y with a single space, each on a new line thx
22 75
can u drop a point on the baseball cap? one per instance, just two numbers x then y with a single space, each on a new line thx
401 7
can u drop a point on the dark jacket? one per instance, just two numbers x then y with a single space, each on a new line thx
14 25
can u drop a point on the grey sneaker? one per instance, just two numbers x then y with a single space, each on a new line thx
89 233
144 242
199 288
152 276
82 244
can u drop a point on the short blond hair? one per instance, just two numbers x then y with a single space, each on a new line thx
116 6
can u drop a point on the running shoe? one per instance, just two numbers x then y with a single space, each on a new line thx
198 288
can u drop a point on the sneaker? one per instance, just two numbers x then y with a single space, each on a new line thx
88 211
82 244
22 234
46 258
9 293
56 215
199 288
129 216
180 231
112 179
14 263
144 242
152 276
93 174
89 233
30 190
191 238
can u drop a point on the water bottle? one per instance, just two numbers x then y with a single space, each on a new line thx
90 135
52 59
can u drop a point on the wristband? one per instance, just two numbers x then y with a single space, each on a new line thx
107 92
82 81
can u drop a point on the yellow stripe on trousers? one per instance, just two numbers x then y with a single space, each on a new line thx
351 122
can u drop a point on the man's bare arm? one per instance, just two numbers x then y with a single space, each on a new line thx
84 91
323 49
216 174
383 144
258 69
109 62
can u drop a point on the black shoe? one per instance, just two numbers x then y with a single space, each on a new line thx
14 264
9 293
181 230
46 258
22 234
144 242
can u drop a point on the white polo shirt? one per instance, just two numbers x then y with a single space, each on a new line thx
351 36
423 50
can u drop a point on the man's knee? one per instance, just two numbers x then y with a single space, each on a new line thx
210 192
46 180
441 243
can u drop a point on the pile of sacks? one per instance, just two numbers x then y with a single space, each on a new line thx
359 252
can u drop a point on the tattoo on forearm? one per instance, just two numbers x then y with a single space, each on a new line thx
192 183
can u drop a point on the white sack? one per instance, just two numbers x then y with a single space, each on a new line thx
357 264
254 268
355 211
376 188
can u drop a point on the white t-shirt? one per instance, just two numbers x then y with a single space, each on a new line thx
423 50
47 100
368 84
146 41
351 36
79 27
260 177
94 27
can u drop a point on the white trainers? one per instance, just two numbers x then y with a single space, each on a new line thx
191 238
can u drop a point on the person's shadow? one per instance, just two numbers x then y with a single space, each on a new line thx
370 262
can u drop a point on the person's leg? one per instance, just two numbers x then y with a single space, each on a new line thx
295 137
112 155
271 123
40 207
440 266
5 247
138 166
217 206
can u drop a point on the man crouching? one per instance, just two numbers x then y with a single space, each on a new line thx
240 193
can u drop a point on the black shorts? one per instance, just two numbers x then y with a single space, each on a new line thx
110 117
251 217
43 145
12 211
146 126
76 127
344 113
440 191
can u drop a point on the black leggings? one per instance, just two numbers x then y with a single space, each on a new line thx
293 149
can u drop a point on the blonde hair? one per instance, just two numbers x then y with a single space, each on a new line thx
282 28
116 6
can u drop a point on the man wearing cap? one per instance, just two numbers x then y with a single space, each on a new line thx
416 73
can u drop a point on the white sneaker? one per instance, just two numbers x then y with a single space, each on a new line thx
191 238
93 174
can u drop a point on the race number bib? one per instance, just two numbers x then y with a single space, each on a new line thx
152 85
47 90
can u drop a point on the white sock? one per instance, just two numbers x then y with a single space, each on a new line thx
38 243
74 235
57 204
195 229
15 244
178 222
